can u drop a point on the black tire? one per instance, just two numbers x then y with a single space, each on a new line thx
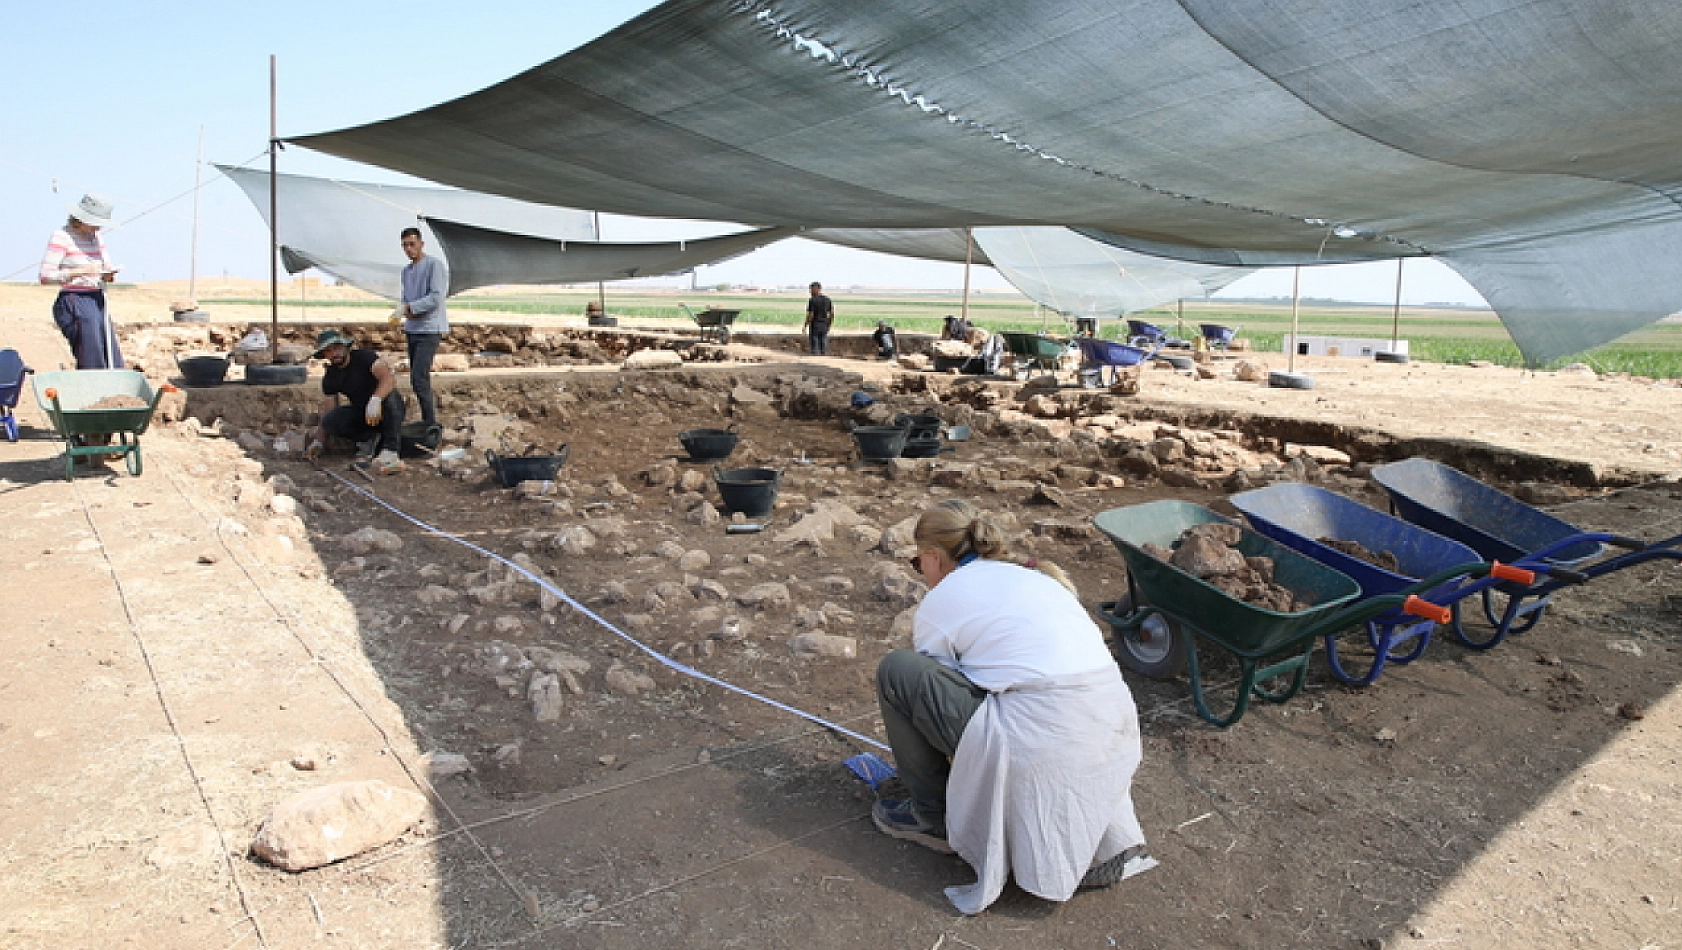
1385 356
1179 362
276 375
723 336
1290 381
1156 648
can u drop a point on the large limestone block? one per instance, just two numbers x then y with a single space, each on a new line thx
334 822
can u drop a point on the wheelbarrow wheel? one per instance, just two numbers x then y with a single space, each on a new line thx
1154 646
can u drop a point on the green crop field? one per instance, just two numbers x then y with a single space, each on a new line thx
1445 334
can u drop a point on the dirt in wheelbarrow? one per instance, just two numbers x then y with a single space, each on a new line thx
1522 796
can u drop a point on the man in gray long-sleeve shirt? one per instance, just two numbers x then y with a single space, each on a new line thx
425 320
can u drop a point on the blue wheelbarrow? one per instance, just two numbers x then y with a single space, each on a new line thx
1322 525
1166 612
12 372
1499 526
1099 355
1216 336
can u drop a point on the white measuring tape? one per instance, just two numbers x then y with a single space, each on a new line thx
551 588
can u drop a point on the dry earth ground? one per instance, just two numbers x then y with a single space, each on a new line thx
174 643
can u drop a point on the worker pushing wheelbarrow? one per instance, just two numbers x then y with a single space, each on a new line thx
98 412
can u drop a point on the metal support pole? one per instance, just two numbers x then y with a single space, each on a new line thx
193 255
1296 301
1396 314
969 254
274 222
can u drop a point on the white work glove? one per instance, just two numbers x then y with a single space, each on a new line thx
314 451
374 412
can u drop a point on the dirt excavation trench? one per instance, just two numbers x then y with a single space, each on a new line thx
1520 796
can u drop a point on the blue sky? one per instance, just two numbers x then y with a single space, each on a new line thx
116 105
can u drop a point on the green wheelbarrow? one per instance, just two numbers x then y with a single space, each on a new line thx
71 398
1167 611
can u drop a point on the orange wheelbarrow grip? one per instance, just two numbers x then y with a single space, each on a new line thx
1423 608
1507 572
52 393
170 388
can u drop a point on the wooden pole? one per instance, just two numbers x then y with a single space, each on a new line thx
969 254
1396 314
1296 300
274 221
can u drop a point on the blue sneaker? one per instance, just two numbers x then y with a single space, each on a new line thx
897 819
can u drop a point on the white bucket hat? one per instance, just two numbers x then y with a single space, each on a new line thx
93 210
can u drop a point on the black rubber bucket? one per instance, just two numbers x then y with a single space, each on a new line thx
203 370
921 448
749 491
709 445
420 440
512 470
919 427
880 443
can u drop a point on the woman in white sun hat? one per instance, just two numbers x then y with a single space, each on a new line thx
77 261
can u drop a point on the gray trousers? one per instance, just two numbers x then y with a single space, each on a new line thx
925 707
423 348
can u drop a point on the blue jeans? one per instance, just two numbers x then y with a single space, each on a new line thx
818 336
422 348
925 707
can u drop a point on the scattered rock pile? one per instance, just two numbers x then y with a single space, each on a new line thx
1210 552
1355 549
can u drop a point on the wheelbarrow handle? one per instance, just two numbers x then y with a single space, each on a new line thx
1565 575
1630 544
1508 572
1419 607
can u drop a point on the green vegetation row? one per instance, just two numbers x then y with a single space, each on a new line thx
1441 335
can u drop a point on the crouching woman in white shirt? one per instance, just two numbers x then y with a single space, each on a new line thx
1010 723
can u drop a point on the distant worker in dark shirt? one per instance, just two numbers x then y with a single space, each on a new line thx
375 410
956 328
886 347
820 313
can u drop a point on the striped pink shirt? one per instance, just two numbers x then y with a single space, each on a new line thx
73 249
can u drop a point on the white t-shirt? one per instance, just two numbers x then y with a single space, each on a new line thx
1041 785
1003 625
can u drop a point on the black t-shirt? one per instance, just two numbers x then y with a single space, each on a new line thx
884 336
355 381
820 311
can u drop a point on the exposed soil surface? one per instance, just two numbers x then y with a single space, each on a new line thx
176 642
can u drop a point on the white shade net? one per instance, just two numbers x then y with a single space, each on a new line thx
1080 277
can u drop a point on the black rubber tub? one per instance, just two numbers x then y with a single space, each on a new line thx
919 427
512 470
749 491
880 443
420 440
203 370
921 448
709 445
